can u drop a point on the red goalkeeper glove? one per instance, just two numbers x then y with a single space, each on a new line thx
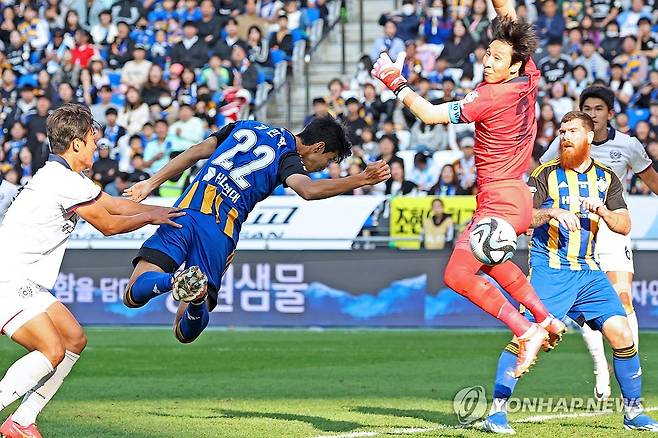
389 72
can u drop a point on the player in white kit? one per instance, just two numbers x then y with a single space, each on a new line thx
623 154
34 233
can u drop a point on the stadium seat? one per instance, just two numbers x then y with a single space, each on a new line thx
118 99
636 115
30 79
114 77
278 56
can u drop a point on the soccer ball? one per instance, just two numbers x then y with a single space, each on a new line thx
493 241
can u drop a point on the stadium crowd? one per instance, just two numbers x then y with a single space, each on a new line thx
158 75
583 42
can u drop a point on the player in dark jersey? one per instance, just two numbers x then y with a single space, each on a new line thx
247 160
502 108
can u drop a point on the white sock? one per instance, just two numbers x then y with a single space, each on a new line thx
498 405
529 332
633 411
22 376
632 322
37 398
594 341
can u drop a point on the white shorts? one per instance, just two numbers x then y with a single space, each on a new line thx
613 250
20 301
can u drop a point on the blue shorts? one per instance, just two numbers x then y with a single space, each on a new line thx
201 242
585 296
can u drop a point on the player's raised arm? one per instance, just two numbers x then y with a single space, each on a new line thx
98 215
326 188
505 8
390 73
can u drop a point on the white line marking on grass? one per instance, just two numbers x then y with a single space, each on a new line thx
478 425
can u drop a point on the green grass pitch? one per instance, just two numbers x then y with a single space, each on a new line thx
141 383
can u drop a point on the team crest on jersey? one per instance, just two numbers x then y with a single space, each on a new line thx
470 97
602 184
615 154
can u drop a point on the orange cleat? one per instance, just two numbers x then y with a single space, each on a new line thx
556 329
11 429
529 349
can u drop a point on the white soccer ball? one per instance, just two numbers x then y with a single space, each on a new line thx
493 241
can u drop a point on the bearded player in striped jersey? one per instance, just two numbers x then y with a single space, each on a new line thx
622 153
502 108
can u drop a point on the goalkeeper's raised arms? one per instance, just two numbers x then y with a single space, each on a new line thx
390 74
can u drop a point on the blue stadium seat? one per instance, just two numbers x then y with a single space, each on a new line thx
30 79
636 115
118 99
261 76
115 78
298 34
278 56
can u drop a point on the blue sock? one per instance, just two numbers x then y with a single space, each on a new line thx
194 321
505 380
628 372
149 285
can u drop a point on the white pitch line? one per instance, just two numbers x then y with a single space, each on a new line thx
478 425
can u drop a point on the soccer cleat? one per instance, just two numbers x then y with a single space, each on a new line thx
556 329
11 429
529 349
642 422
189 285
498 423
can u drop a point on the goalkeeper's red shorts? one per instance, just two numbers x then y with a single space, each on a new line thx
510 200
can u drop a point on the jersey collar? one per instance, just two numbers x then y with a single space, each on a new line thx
60 160
611 136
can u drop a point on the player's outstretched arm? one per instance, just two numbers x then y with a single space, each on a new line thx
505 8
117 205
110 224
389 73
649 176
184 161
326 188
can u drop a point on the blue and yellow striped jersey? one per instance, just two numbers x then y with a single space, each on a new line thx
250 161
555 246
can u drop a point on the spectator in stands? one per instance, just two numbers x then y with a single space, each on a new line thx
465 169
635 65
648 45
8 23
192 52
573 46
560 102
34 31
597 66
369 147
652 150
622 88
611 44
225 45
9 92
121 182
447 183
210 24
335 98
389 43
421 174
577 82
438 24
603 11
135 113
643 133
160 49
291 10
621 123
628 19
54 51
653 117
590 31
438 230
17 52
555 65
122 47
66 94
388 148
550 24
128 11
215 76
71 24
477 22
105 31
406 20
155 86
547 126
320 109
24 165
249 19
188 130
188 90
573 12
353 120
397 184
138 174
84 49
104 169
111 130
105 102
156 152
244 73
429 138
373 107
36 131
135 72
259 51
282 38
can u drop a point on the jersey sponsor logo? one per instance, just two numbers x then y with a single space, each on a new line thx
563 185
469 98
602 184
615 154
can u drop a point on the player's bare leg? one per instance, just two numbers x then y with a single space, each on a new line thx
74 341
46 351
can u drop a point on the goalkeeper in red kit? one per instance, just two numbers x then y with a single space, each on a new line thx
503 110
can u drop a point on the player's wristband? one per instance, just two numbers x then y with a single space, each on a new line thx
402 91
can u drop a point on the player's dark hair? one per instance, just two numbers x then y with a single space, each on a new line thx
520 35
68 122
331 132
586 120
599 92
